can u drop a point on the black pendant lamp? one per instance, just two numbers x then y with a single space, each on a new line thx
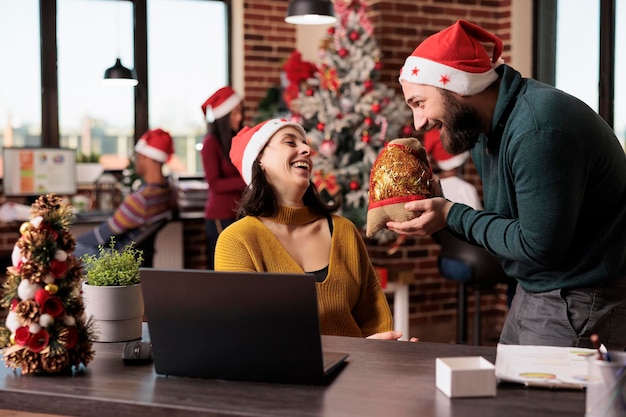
120 75
310 12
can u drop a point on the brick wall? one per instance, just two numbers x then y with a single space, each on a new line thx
399 26
268 41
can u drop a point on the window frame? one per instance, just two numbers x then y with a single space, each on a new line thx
50 136
544 51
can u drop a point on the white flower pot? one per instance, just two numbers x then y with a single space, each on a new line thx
117 311
88 172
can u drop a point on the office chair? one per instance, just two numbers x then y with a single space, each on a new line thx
146 237
469 265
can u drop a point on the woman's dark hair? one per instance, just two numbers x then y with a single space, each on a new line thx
258 198
221 129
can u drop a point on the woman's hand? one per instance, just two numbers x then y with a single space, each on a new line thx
390 335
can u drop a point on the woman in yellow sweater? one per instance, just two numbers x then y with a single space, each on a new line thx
285 227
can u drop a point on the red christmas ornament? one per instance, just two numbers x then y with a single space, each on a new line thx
58 268
365 137
368 121
39 341
354 185
368 84
41 296
378 65
309 92
53 306
376 108
339 116
354 36
328 147
70 338
343 52
296 118
22 336
407 130
320 126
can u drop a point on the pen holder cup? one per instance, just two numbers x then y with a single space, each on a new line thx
606 387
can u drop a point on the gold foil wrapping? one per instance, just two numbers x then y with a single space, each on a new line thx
401 170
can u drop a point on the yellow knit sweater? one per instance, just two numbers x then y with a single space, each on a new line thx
350 299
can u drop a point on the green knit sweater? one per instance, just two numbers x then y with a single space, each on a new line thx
554 178
350 299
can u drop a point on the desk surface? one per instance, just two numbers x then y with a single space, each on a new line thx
382 378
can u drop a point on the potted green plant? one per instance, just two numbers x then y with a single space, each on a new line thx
88 168
112 292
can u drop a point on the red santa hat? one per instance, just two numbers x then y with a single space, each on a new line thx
249 142
454 59
222 102
156 144
443 159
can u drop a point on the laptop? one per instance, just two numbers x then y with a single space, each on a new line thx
253 326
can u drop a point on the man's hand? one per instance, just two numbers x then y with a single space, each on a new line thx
431 217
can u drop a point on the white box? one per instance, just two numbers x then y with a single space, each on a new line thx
469 376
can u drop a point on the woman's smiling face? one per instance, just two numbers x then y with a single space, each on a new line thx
286 160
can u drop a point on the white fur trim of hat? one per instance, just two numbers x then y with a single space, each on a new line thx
455 60
249 142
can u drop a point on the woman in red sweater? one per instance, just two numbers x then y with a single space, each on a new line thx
224 115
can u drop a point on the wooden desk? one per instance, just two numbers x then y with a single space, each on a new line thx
382 378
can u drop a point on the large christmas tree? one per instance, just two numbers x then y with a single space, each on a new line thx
348 115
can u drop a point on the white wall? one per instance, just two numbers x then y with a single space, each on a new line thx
522 36
237 82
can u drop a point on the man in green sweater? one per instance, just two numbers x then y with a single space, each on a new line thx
554 179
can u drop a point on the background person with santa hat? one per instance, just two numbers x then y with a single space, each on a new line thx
449 169
153 201
224 115
554 187
285 227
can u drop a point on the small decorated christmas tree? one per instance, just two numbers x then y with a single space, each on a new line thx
348 115
46 330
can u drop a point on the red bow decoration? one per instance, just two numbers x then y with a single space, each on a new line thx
330 81
326 182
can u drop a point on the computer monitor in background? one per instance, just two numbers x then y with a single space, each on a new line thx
29 172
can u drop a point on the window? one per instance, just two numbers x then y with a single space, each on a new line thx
52 93
573 52
20 84
187 62
94 117
577 72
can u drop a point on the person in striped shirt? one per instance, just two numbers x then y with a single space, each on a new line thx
153 201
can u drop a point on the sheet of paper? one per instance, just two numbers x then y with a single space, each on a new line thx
544 366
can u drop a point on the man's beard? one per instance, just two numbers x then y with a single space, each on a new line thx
461 130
